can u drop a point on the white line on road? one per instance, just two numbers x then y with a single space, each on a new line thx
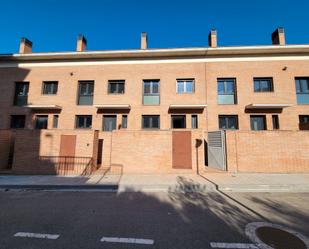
233 245
127 240
37 235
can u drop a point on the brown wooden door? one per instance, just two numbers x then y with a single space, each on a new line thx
182 150
67 152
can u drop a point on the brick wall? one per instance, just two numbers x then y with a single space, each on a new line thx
6 138
268 151
30 145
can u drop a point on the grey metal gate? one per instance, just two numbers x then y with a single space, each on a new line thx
216 150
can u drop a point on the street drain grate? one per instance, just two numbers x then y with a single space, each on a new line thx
279 239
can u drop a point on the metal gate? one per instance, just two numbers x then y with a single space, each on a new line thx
216 150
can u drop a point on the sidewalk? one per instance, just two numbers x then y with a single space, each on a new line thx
163 182
110 182
259 182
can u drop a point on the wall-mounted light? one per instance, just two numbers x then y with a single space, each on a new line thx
285 68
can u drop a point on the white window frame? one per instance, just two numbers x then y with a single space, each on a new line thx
185 86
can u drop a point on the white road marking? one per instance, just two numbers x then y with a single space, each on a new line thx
233 245
37 235
127 240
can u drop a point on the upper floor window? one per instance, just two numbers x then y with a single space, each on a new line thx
41 122
85 92
185 86
21 93
302 90
18 121
228 122
151 122
50 87
83 121
151 92
263 85
227 91
304 122
116 86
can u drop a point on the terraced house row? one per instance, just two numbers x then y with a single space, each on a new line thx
156 110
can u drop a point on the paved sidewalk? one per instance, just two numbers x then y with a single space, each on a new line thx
207 181
110 182
259 182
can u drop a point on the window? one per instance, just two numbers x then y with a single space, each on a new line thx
263 85
41 122
151 92
194 122
226 91
302 90
228 122
85 93
50 87
258 122
109 122
18 121
151 122
83 121
178 121
124 122
21 93
116 86
304 122
185 86
55 121
275 120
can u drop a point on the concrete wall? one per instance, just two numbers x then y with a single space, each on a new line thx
267 151
6 139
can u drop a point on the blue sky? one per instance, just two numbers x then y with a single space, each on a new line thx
53 25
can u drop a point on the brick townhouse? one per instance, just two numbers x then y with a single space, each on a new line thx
243 108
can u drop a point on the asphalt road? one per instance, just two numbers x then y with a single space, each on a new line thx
169 220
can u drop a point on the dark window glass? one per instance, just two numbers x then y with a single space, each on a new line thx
109 122
83 121
50 87
151 87
41 122
194 124
258 122
21 93
304 122
263 84
151 122
18 121
116 86
228 122
124 122
178 121
55 121
275 120
85 93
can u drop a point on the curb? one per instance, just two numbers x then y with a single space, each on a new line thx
264 188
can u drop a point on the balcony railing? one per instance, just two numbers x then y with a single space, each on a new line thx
302 98
66 165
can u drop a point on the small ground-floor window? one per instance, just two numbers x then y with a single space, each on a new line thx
83 121
41 122
55 121
304 122
275 120
124 121
194 122
151 122
228 122
258 122
18 121
109 122
178 121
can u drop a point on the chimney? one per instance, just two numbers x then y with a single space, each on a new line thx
212 38
144 40
81 43
25 46
278 37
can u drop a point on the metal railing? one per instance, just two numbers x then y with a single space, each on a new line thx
66 165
